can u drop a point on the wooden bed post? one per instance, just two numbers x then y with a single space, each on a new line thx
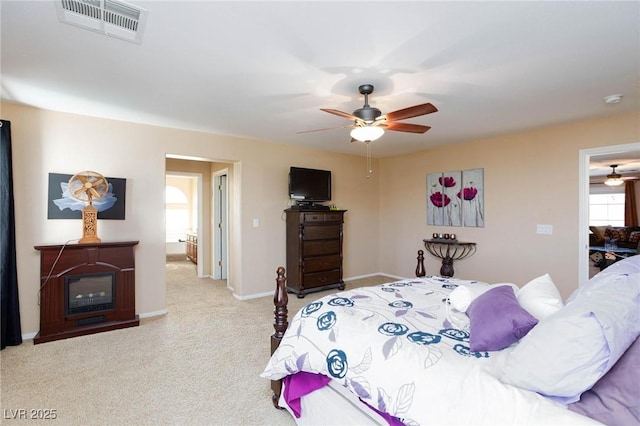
420 267
280 324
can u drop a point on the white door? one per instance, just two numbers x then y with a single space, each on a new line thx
221 239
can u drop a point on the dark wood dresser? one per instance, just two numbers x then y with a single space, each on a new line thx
314 250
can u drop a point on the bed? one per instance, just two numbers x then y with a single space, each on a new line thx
434 351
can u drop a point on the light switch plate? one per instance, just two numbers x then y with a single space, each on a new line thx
545 229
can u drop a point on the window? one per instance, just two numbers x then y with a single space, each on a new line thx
606 209
179 210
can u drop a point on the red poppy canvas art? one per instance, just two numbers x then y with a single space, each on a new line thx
456 198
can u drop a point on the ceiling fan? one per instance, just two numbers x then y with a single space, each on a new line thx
369 123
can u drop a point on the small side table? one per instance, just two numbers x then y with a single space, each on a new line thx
448 251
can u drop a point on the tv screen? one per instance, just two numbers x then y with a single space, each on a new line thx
309 185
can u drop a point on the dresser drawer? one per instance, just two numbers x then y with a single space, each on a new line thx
321 232
313 217
319 279
320 247
322 217
322 263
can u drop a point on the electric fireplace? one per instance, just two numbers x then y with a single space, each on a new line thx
85 289
89 293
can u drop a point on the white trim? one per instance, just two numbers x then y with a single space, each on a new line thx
154 314
29 336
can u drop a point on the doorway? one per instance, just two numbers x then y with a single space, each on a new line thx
183 216
210 174
631 150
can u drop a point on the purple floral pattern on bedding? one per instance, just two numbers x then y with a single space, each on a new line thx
362 338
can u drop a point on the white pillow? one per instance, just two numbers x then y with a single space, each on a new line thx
540 297
568 351
562 356
462 296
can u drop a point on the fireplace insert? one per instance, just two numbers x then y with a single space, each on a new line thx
89 293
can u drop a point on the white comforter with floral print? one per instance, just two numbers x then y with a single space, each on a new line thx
394 347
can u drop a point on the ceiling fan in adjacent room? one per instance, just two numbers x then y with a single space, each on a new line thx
369 123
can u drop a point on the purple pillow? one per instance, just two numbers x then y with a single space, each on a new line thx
497 320
615 398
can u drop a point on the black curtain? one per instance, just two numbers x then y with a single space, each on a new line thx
10 313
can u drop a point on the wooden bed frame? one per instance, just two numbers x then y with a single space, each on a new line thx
281 322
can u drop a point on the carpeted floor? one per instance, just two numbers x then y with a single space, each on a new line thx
197 365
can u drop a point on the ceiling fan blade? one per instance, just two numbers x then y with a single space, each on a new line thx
340 114
326 128
406 127
410 112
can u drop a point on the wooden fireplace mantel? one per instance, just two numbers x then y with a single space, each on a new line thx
60 261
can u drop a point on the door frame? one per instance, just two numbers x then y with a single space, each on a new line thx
583 201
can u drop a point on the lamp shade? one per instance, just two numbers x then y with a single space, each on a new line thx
614 179
367 133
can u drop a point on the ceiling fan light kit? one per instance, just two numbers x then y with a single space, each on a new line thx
614 179
367 133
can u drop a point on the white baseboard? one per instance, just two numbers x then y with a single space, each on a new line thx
153 314
357 277
29 336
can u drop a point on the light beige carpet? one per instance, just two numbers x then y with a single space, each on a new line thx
197 365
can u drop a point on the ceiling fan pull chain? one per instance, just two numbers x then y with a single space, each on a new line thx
369 171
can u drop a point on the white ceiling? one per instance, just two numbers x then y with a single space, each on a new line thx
264 69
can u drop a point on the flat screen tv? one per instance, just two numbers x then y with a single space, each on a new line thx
308 186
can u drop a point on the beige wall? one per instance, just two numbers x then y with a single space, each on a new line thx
530 178
52 142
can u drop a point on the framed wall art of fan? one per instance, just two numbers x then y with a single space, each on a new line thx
62 205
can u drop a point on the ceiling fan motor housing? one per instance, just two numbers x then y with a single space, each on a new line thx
367 113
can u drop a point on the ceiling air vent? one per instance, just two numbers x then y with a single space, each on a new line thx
113 18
